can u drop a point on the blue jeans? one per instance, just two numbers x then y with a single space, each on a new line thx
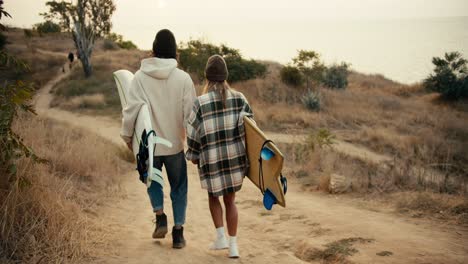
176 169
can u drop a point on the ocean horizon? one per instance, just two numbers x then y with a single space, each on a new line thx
400 49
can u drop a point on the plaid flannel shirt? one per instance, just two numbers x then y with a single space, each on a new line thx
216 138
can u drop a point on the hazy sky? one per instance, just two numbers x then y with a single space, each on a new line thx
355 31
135 12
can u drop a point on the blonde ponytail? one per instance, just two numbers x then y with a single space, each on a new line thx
219 87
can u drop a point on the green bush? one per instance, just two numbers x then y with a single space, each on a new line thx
118 40
3 40
47 27
450 76
291 75
311 100
308 67
336 76
194 54
127 45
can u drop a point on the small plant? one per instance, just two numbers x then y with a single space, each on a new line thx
323 138
311 100
450 76
291 75
336 76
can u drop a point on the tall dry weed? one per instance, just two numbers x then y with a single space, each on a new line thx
49 213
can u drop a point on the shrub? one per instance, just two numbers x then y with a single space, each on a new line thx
336 76
450 76
127 45
311 100
291 75
109 45
194 54
47 27
118 40
28 33
3 40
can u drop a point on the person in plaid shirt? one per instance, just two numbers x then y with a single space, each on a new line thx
216 143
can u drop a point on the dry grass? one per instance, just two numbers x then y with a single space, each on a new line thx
49 213
430 204
334 252
387 117
62 42
95 101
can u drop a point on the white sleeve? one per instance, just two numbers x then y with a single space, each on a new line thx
189 97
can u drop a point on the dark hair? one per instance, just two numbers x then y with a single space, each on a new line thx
164 45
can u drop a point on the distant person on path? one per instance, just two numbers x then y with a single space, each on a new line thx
71 58
169 94
215 138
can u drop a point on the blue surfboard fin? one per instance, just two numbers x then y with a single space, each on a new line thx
266 153
269 199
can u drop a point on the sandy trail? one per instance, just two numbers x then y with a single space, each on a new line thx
281 236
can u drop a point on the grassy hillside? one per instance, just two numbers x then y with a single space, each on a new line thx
401 121
50 213
397 120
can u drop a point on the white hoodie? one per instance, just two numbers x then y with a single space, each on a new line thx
169 93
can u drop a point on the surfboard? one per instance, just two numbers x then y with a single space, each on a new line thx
270 168
143 125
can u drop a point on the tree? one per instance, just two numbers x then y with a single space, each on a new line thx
336 76
87 20
450 76
3 13
14 95
312 68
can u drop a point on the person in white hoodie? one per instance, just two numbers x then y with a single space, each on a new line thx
169 93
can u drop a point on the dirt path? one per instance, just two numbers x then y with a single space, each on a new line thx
281 236
338 146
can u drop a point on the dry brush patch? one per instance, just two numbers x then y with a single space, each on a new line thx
96 94
333 252
398 187
49 214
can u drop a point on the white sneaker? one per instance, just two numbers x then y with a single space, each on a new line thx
220 243
233 250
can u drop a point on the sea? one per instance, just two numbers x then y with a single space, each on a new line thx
400 49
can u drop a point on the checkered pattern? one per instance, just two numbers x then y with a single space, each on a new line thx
216 137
